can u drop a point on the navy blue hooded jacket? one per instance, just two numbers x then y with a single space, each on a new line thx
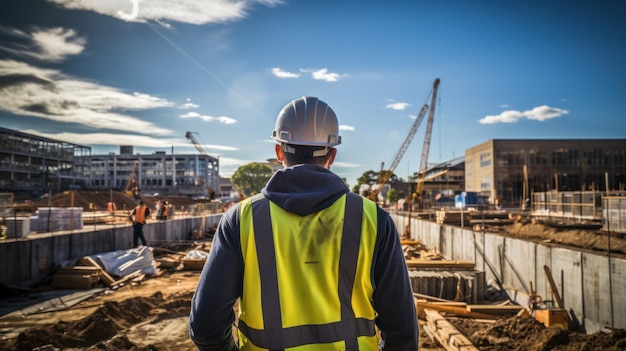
301 189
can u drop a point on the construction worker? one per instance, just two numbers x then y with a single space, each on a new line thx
314 267
138 218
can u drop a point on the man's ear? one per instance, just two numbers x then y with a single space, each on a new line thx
280 156
331 157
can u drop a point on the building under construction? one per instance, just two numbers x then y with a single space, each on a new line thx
509 171
173 174
32 165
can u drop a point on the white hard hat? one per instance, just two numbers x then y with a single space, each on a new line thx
307 121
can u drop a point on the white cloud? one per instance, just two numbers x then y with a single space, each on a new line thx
504 106
109 139
278 72
49 44
220 119
323 74
347 128
49 94
543 113
398 105
187 105
124 139
185 11
540 113
345 164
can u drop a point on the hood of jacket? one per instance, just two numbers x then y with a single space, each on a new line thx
304 189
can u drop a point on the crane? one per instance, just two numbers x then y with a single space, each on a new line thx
131 185
385 175
426 147
190 136
407 141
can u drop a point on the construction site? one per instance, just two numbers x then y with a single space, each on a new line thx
479 281
533 267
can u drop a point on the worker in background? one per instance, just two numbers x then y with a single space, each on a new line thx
138 217
314 266
166 209
159 210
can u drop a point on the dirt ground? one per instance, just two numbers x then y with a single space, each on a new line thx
152 316
518 333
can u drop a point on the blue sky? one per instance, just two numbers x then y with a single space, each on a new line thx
105 73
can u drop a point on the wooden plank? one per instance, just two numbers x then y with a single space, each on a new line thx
447 335
495 309
80 270
430 298
193 265
106 277
458 311
73 281
458 265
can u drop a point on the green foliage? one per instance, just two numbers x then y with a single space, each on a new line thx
371 177
249 179
393 195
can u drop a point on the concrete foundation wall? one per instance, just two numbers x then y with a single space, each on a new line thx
591 285
29 261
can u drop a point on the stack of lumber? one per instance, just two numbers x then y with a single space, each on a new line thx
446 334
79 277
87 275
455 217
436 311
433 275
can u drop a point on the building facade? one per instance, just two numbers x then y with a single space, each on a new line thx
509 171
36 165
170 175
32 165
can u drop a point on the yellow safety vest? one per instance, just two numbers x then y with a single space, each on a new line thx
307 280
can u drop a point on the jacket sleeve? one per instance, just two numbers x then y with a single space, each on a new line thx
212 315
393 295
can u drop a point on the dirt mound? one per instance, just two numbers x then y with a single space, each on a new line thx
106 327
596 240
518 333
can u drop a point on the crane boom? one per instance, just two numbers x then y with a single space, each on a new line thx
190 136
408 139
385 175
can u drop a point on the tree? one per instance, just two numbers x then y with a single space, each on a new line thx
249 179
393 195
371 177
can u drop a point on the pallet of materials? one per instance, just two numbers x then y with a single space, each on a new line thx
77 277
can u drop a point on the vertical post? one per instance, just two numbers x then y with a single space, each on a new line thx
608 233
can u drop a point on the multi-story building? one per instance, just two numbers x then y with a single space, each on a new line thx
174 174
509 171
35 165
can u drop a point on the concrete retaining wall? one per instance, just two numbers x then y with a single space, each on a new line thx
29 261
591 285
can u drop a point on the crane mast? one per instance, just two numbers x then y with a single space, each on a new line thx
426 147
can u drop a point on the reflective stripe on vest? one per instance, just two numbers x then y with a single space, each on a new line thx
291 261
140 214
